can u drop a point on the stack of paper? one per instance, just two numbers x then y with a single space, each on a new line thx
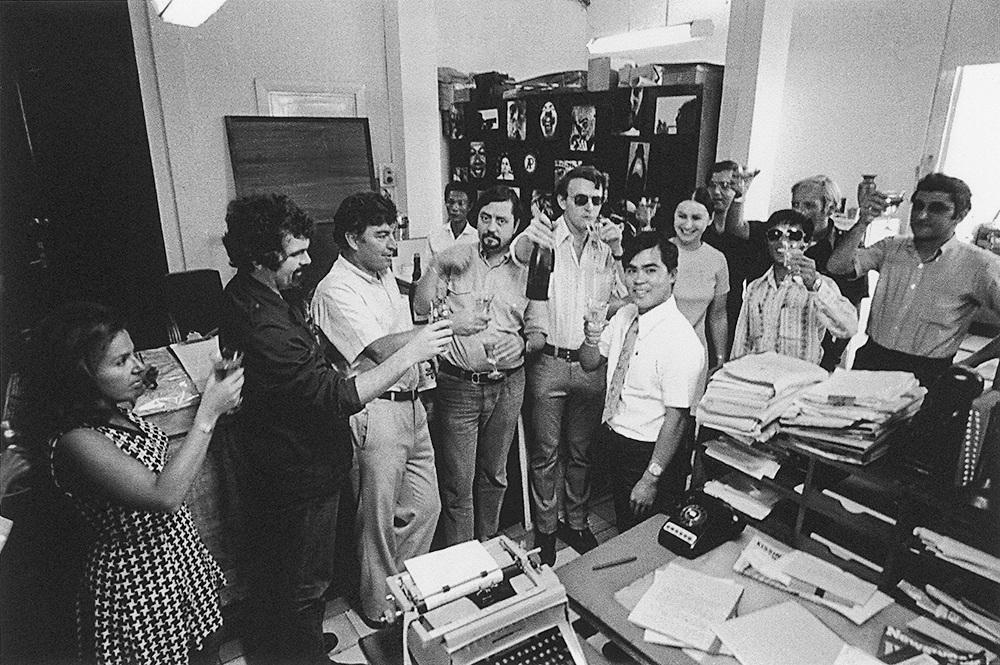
851 414
811 578
746 397
743 494
960 554
682 606
754 462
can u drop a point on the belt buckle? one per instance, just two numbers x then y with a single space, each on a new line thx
477 378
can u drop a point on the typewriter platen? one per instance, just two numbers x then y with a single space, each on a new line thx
520 617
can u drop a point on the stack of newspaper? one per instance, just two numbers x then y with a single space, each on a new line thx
850 415
747 396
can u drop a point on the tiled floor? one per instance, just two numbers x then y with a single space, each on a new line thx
345 623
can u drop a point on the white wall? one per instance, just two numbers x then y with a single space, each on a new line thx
206 73
860 83
522 38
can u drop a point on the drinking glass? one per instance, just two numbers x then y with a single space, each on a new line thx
229 361
893 199
489 345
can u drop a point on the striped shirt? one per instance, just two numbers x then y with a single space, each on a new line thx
790 319
575 279
925 309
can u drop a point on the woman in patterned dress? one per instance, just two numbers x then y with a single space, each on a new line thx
149 588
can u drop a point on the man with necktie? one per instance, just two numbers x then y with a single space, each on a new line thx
654 362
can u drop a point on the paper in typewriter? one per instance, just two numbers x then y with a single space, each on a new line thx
448 568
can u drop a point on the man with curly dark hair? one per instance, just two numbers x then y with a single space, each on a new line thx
294 442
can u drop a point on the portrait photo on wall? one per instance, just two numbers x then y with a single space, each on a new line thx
562 166
676 115
477 160
456 121
505 169
543 200
635 179
530 163
548 120
516 120
629 111
489 120
460 174
581 134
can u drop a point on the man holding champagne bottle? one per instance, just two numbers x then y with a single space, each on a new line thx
564 402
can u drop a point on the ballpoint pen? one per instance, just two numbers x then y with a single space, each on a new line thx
615 562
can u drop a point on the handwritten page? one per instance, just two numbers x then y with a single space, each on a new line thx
448 568
684 604
785 634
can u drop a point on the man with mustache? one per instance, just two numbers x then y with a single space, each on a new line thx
294 445
480 382
359 309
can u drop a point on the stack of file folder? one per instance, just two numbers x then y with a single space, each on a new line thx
849 416
746 397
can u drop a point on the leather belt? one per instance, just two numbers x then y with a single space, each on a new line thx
572 355
399 395
475 377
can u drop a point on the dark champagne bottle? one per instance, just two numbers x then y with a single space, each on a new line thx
539 271
413 289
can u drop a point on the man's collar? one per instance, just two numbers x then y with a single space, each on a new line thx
504 258
655 316
561 230
771 279
364 274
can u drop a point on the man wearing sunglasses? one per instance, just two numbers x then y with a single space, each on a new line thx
563 402
791 307
930 283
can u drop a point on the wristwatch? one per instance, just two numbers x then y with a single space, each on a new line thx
654 469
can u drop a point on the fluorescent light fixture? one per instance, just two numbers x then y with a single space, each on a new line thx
190 13
651 37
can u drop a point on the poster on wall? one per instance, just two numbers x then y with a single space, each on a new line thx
530 163
505 170
489 120
516 120
456 121
581 135
635 180
676 115
477 160
562 166
543 200
460 174
632 113
548 120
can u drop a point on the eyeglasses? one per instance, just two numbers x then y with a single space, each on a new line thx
580 200
795 235
933 208
720 184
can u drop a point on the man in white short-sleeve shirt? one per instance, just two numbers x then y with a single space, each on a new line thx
649 396
458 199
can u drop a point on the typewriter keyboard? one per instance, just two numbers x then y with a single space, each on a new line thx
541 648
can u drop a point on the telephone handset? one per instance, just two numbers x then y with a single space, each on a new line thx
701 523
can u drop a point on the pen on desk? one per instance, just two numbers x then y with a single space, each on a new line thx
615 562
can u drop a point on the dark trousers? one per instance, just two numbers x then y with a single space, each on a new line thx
290 567
626 460
927 370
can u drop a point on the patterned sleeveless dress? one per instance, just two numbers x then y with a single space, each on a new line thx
150 587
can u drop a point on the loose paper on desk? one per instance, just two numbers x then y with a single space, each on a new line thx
197 359
685 604
785 634
448 568
827 577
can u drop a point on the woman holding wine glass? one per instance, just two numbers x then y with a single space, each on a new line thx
702 277
149 587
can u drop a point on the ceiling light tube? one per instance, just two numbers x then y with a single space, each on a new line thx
651 37
189 13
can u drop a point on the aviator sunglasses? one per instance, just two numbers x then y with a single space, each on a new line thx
581 200
934 207
795 235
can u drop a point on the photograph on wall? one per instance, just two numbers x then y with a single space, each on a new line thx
676 115
635 180
456 121
477 160
564 165
505 170
517 120
460 174
581 133
489 120
530 163
543 200
632 113
548 120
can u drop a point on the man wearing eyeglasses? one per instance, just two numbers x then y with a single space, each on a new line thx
930 283
791 307
564 402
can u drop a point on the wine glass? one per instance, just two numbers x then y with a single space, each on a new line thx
892 200
229 361
489 345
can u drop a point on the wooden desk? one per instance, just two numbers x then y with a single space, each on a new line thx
592 593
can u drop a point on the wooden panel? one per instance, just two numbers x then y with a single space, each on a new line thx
315 161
